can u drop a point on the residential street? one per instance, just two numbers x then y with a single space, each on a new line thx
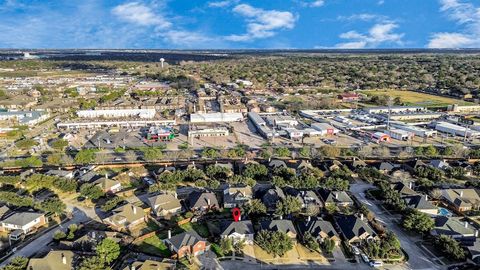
418 259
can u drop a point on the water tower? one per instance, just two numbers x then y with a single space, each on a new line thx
161 61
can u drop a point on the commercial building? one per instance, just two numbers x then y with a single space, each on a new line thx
294 133
464 109
281 120
381 137
421 132
120 123
325 129
141 113
399 134
394 109
28 118
204 131
261 125
216 117
453 129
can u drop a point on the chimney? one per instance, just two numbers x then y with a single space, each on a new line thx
134 209
281 217
466 224
309 218
133 267
93 234
361 216
426 197
476 233
208 201
106 175
175 195
461 193
64 259
169 234
410 185
336 195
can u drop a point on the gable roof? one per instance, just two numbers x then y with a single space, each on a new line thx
278 225
277 163
419 202
403 189
124 215
21 218
352 226
315 226
240 227
272 196
189 238
461 197
164 202
4 210
202 199
106 183
439 164
332 196
54 260
452 226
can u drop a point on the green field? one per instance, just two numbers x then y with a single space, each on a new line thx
417 99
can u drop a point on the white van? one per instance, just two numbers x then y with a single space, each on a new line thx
376 264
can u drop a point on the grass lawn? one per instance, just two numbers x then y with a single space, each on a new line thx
154 245
417 99
201 229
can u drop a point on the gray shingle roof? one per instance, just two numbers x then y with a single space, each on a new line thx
281 225
22 218
184 239
241 227
418 202
352 226
315 226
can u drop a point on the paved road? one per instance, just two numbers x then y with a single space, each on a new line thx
418 259
40 244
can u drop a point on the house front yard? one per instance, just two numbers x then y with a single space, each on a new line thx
298 255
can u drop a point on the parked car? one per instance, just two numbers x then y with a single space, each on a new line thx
356 251
376 264
365 258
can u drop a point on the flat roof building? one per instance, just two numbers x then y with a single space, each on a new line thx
215 117
141 113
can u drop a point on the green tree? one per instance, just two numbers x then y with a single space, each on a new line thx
25 144
275 243
430 151
226 244
255 171
59 235
91 191
17 263
255 207
209 152
450 247
152 153
52 205
71 231
282 152
93 263
304 152
59 144
328 245
9 180
288 206
111 204
310 241
85 156
108 250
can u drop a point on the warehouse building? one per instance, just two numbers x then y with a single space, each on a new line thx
421 132
216 117
294 133
122 113
399 134
204 131
457 130
381 137
281 121
261 126
325 129
394 109
122 124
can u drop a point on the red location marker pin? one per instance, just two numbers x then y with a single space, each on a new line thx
236 214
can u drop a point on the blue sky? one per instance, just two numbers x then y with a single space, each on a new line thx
236 24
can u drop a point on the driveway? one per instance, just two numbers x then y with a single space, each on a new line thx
208 261
418 259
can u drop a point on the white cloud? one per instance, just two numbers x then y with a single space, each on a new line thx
450 40
316 3
380 33
222 4
465 14
262 23
186 38
141 14
364 17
